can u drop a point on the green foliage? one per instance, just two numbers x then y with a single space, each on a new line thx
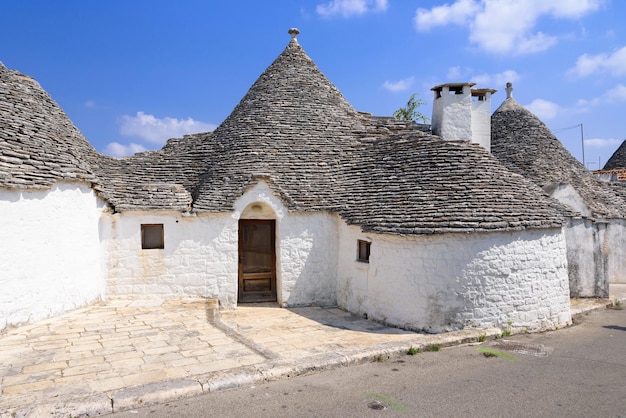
410 112
413 351
490 352
482 337
432 347
506 332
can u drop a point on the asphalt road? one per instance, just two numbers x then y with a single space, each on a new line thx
579 371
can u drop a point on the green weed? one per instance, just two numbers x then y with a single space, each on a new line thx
490 352
413 351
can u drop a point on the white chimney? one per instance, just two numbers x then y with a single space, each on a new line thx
461 113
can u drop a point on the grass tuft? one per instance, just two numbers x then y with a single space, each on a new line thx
490 352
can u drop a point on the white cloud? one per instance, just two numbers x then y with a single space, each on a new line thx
347 8
613 64
400 85
615 95
458 13
543 109
454 73
504 26
90 104
158 130
115 149
496 81
602 142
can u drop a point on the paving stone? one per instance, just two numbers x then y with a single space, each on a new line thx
127 363
160 350
106 385
57 384
27 387
44 366
144 377
78 379
86 369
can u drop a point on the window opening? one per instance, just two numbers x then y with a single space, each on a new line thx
363 251
152 236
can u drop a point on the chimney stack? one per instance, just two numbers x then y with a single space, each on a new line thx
461 113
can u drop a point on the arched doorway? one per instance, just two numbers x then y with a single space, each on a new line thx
257 260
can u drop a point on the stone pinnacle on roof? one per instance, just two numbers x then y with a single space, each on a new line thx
509 90
294 33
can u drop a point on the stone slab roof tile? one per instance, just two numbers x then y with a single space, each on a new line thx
526 146
39 145
296 131
163 179
419 184
618 159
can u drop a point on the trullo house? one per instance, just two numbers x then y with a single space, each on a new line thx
295 198
595 232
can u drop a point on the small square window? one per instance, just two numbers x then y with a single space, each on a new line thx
363 251
152 236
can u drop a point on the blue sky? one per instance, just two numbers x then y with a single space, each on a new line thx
131 74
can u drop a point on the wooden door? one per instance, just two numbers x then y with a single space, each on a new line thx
257 261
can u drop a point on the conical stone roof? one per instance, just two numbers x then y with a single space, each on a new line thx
291 118
525 145
414 183
39 145
295 130
618 159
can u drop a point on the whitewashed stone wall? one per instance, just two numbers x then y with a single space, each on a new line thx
452 281
308 259
568 195
51 257
615 248
201 253
199 258
594 253
588 258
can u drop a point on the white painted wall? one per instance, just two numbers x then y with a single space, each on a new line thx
588 258
308 259
201 253
594 255
566 194
615 248
437 283
51 257
199 258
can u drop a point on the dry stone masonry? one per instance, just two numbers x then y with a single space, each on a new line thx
455 237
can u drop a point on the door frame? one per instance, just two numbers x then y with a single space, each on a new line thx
249 297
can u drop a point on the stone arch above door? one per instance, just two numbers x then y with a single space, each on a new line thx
259 202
